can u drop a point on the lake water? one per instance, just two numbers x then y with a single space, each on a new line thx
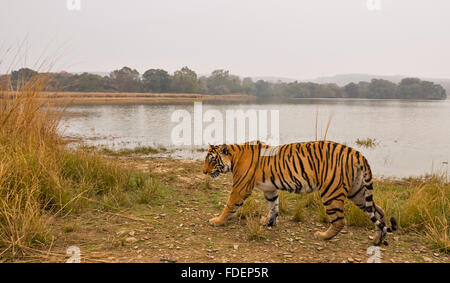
413 137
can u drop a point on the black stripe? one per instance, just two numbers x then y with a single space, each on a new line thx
272 199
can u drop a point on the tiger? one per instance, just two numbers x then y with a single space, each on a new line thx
334 170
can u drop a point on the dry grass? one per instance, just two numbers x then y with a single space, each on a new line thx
282 204
255 231
130 97
40 178
250 208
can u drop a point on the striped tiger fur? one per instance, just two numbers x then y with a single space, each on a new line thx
334 170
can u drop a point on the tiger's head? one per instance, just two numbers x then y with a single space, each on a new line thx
218 160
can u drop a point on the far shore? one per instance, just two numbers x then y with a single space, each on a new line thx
130 97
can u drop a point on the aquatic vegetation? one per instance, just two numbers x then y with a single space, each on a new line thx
367 143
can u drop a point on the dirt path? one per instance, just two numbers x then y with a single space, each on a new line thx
174 228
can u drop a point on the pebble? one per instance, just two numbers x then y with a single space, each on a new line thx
350 259
319 248
427 259
131 240
235 247
370 237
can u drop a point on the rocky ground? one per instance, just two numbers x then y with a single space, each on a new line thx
174 228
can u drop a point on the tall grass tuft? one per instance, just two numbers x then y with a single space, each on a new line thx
39 176
250 208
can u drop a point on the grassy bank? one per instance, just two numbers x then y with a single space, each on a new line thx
40 178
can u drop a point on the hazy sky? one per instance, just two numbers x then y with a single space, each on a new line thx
286 38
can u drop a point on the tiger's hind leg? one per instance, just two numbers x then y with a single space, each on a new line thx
380 235
272 202
363 198
335 211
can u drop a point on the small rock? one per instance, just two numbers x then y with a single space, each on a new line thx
235 247
350 259
436 254
319 248
392 260
131 240
357 259
396 238
131 233
370 237
427 259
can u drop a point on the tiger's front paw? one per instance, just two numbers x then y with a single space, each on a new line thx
216 221
263 220
268 221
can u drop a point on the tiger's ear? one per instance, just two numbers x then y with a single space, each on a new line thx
224 149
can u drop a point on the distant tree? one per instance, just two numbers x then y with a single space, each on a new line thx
21 76
184 81
90 82
263 89
413 88
363 90
156 80
382 89
351 90
125 80
202 85
217 82
248 86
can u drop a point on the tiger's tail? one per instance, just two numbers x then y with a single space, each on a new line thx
369 203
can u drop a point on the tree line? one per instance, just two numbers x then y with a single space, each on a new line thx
221 81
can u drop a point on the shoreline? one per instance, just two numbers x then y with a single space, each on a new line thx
130 97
